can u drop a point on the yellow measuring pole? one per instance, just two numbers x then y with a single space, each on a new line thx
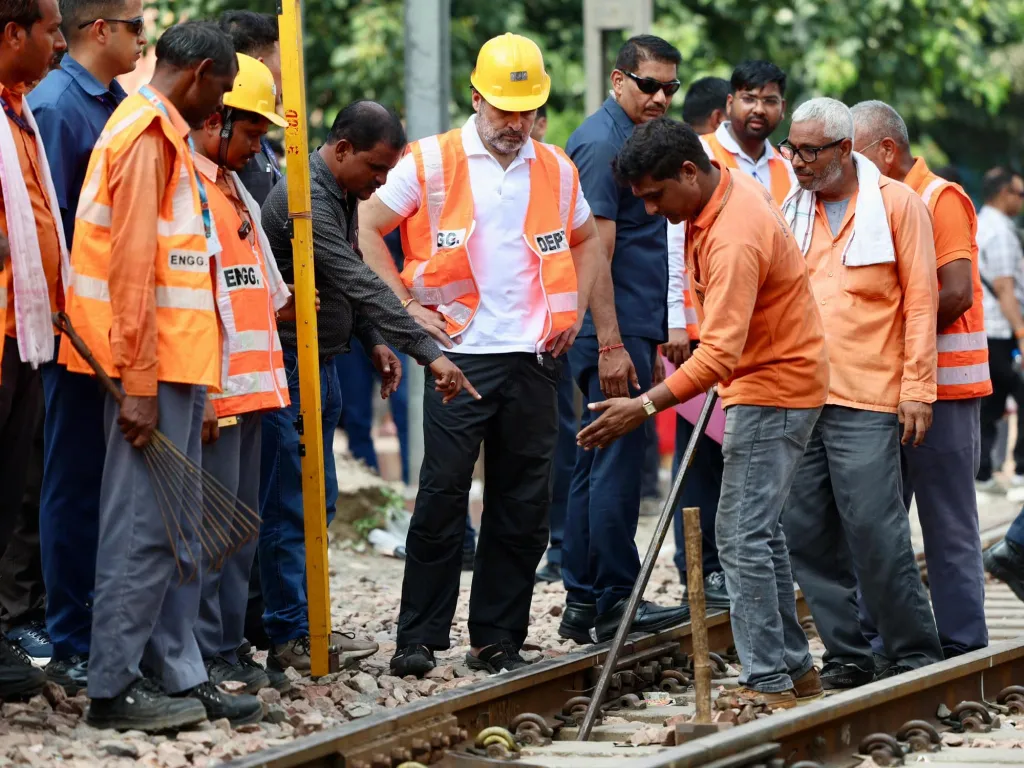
311 444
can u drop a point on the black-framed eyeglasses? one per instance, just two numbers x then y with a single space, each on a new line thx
650 86
807 154
134 25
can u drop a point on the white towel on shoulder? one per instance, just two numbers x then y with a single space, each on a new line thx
31 293
871 241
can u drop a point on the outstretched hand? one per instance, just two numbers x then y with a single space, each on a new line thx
619 415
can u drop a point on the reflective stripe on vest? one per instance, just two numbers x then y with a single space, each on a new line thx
438 268
781 172
188 334
689 313
962 369
253 365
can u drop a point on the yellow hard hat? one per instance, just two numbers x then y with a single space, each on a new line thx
510 74
254 90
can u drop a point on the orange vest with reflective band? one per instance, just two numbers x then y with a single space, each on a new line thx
438 268
254 379
692 327
781 179
188 332
963 347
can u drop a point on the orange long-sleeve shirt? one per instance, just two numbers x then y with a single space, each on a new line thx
760 334
138 179
46 227
879 319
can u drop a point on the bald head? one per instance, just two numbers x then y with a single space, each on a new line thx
881 136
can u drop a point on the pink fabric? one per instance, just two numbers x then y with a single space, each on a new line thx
690 410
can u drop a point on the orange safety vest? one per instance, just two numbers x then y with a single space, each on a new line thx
188 333
692 326
254 378
778 168
438 268
963 347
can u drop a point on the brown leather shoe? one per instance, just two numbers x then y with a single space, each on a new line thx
808 686
780 700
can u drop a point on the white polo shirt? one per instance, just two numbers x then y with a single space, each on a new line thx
512 310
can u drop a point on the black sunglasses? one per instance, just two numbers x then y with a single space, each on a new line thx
650 86
807 154
134 25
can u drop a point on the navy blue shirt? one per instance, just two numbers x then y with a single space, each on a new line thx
640 261
71 108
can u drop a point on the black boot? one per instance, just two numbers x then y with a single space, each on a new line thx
143 706
220 670
649 618
1005 561
72 673
239 709
18 678
577 621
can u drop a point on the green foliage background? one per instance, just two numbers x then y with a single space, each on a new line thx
953 68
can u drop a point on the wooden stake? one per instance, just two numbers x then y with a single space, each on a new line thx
698 615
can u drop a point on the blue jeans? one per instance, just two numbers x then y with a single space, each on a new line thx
600 562
563 464
762 448
69 505
282 545
357 378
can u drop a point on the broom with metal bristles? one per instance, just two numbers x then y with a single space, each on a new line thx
222 522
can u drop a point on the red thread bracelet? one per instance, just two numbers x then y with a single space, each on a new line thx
609 348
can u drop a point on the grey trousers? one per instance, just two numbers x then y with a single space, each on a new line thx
762 447
940 472
143 616
847 524
234 459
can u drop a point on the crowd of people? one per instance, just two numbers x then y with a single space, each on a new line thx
860 321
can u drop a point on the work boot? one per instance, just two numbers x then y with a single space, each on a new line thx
808 686
577 621
496 658
220 670
414 660
716 598
18 677
649 618
72 673
551 573
780 700
239 709
278 679
352 650
143 706
892 670
836 676
1005 561
33 639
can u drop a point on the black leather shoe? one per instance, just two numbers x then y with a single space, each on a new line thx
840 677
551 573
412 660
1005 561
577 621
649 618
716 598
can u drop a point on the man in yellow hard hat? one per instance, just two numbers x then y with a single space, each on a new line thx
502 260
249 293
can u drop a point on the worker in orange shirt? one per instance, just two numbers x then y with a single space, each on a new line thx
141 297
871 258
762 343
940 472
249 291
31 254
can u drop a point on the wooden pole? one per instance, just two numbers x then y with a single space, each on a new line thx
698 615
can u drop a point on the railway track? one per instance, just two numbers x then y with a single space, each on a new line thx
529 716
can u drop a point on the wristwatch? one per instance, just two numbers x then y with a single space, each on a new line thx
649 408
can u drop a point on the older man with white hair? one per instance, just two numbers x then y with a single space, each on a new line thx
868 244
941 472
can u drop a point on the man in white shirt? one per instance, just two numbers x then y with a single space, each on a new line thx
1001 264
502 259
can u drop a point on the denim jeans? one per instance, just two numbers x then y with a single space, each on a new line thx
282 544
761 449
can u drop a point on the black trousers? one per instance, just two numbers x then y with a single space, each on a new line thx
517 422
21 473
1004 382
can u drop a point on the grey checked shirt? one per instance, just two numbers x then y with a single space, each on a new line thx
999 255
353 299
